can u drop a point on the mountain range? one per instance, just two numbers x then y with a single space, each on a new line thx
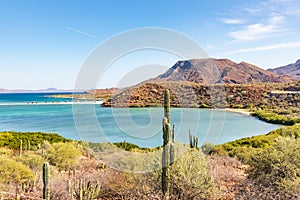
292 70
214 71
202 82
48 90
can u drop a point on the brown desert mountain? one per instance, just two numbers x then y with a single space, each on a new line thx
205 82
212 71
292 70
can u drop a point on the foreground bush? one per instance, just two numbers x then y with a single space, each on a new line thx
278 166
189 178
63 155
13 172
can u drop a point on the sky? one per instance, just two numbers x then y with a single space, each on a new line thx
45 43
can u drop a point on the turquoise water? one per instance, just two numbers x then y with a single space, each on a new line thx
141 126
29 98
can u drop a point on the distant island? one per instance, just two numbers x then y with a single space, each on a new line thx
47 90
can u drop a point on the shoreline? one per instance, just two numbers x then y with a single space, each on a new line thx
240 111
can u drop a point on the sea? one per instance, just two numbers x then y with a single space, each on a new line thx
88 121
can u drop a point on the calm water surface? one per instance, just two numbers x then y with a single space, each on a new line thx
141 126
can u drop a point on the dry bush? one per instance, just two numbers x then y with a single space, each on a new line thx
228 175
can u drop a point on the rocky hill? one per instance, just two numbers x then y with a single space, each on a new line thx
212 71
292 70
189 94
209 83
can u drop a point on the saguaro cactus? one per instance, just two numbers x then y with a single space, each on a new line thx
193 140
46 181
166 145
173 133
21 148
167 105
172 148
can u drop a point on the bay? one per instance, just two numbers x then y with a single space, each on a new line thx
141 126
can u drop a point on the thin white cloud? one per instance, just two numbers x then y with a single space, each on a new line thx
281 7
81 32
252 10
232 21
268 47
259 30
209 46
282 1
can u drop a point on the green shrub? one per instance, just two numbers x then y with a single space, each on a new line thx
133 147
126 146
238 106
6 152
203 105
189 178
219 150
260 141
63 155
207 148
278 166
33 161
288 131
243 153
13 171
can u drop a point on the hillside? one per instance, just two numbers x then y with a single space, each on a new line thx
188 94
211 71
292 70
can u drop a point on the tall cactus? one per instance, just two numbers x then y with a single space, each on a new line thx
193 140
173 133
172 148
82 189
21 148
172 154
46 181
167 105
166 150
29 146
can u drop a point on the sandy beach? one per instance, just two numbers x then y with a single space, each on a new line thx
241 111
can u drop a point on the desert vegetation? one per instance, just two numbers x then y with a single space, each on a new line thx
265 166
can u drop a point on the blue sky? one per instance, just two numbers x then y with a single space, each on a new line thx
44 43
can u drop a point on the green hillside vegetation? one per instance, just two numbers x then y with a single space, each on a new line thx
243 148
275 117
133 147
30 140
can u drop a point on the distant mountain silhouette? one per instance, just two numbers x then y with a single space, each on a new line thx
292 70
48 90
